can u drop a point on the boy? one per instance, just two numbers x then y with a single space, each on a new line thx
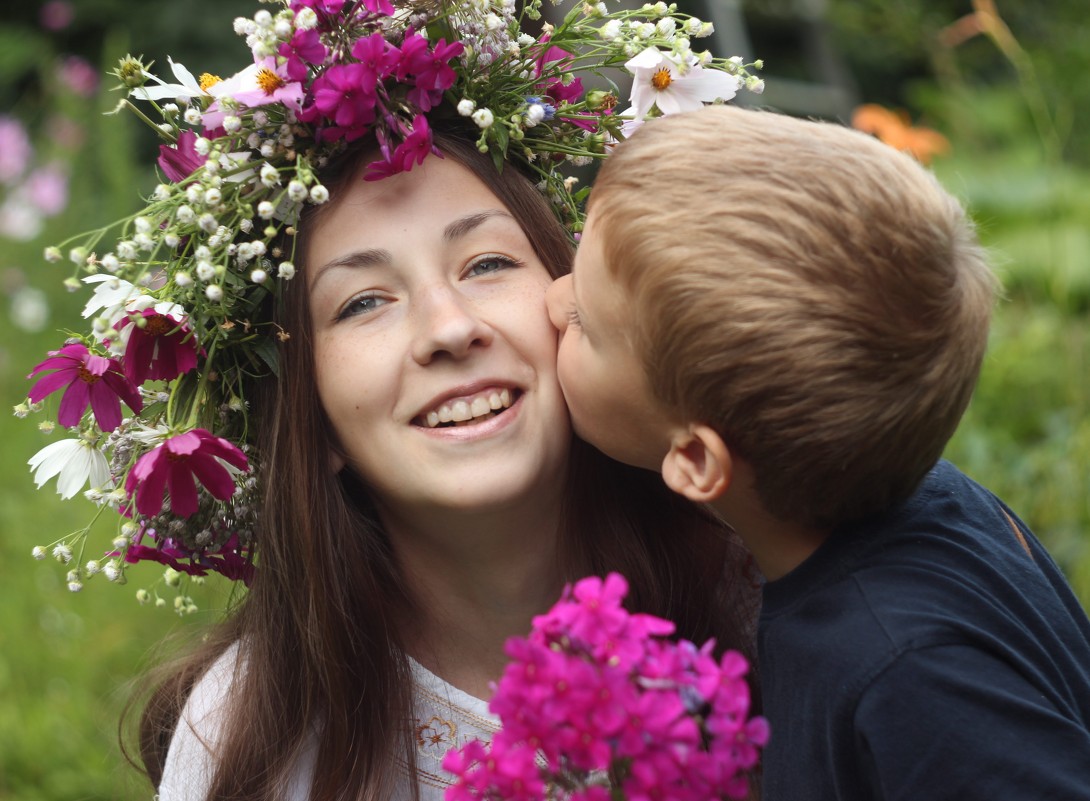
787 318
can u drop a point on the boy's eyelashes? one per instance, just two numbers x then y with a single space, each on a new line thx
573 317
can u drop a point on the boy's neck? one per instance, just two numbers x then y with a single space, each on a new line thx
777 546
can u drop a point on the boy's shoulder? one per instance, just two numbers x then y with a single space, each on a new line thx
951 559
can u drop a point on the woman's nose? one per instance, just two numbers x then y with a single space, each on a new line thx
448 324
559 302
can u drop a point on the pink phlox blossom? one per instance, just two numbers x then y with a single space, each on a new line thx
181 160
378 58
431 73
383 7
340 95
304 48
413 149
88 379
643 712
161 349
174 464
331 7
553 59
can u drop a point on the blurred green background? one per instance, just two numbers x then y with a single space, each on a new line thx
1007 85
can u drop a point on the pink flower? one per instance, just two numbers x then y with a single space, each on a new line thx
174 464
304 48
90 379
594 689
160 350
341 97
182 160
412 150
15 149
78 75
378 59
230 560
429 68
332 7
47 189
56 15
263 82
384 7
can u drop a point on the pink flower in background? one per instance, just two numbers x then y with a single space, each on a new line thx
47 189
78 75
87 380
162 348
182 160
16 151
176 465
596 695
56 15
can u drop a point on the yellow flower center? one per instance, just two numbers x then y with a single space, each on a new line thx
208 80
268 80
661 79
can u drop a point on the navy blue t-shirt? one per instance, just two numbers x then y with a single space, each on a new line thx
924 655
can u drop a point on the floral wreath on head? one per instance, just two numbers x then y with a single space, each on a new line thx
176 321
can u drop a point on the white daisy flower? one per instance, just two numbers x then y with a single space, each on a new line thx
661 81
187 86
74 462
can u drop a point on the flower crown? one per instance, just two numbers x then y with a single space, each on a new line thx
177 327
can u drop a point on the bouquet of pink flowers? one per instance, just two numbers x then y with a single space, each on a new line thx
597 705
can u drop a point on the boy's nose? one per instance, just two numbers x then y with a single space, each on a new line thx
559 301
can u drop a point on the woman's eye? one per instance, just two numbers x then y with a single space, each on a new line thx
490 264
362 304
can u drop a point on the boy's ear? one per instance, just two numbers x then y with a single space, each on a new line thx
698 464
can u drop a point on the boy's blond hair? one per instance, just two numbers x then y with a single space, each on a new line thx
813 295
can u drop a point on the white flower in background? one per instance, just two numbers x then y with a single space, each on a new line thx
29 309
661 81
74 462
187 86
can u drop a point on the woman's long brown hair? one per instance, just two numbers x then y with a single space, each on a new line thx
323 663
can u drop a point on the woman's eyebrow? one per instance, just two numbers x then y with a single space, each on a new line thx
355 259
463 225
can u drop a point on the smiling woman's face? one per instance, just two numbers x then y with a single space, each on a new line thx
435 359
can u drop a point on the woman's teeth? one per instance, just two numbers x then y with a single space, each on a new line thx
471 410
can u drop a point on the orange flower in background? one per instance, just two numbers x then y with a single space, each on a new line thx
896 130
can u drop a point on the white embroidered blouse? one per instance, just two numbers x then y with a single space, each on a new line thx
444 717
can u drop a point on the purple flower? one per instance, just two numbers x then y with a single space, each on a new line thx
182 160
595 690
78 75
412 150
47 189
305 48
175 464
429 68
56 15
230 560
340 96
90 379
384 7
15 149
161 349
332 7
378 59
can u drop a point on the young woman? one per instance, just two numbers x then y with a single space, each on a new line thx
424 499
